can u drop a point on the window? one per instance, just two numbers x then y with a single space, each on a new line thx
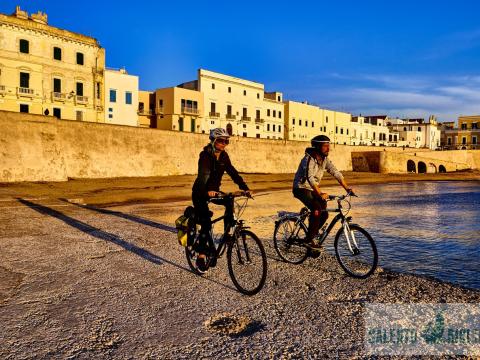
268 127
244 112
98 90
306 123
213 107
229 109
57 85
268 112
244 92
336 129
389 137
341 131
24 46
300 122
326 119
274 113
229 89
258 114
79 115
110 109
160 103
128 97
180 124
24 108
258 96
419 128
293 121
80 58
79 87
244 126
279 98
279 114
57 112
464 140
464 126
474 140
347 131
57 53
258 136
113 95
110 116
279 128
192 125
474 126
244 134
213 87
24 80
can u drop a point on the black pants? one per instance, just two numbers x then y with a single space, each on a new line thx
317 206
203 216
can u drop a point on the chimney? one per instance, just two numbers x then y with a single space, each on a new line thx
19 13
40 17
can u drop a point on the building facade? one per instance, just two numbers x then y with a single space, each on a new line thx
466 136
416 133
240 106
121 100
50 71
146 109
179 109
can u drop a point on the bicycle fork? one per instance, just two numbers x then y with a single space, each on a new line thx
350 236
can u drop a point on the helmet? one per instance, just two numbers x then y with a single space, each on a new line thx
218 133
318 140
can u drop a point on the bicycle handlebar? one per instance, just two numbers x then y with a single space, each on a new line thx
341 197
222 195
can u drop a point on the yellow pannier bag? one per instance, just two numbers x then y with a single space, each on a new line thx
182 230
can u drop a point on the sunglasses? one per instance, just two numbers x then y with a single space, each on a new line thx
222 141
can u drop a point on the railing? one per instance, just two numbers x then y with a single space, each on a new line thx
259 121
79 99
145 112
230 116
189 110
214 114
24 91
246 118
58 96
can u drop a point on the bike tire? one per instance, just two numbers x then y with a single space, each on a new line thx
278 243
234 255
370 242
191 259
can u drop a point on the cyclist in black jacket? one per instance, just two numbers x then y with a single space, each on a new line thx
212 164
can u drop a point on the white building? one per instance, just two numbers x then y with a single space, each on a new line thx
417 133
121 97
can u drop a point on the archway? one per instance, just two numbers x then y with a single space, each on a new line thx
422 167
432 168
442 169
411 168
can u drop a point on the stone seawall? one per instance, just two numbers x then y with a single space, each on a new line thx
40 148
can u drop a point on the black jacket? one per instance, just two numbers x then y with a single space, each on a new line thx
211 170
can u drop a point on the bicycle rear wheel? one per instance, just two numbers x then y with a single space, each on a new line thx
286 240
247 263
356 252
191 256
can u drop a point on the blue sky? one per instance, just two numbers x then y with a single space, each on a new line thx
408 58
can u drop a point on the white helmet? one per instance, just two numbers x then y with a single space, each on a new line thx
218 133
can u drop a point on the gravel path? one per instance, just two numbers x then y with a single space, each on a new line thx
77 282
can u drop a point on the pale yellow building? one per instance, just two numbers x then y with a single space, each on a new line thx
121 100
179 109
468 132
47 70
241 106
303 121
372 131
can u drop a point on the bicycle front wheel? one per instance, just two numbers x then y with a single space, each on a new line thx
288 238
356 251
247 263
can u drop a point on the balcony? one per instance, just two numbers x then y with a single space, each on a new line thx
146 112
22 91
259 121
213 114
189 110
58 96
3 91
246 118
230 117
79 99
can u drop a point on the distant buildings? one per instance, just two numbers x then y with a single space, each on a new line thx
55 72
